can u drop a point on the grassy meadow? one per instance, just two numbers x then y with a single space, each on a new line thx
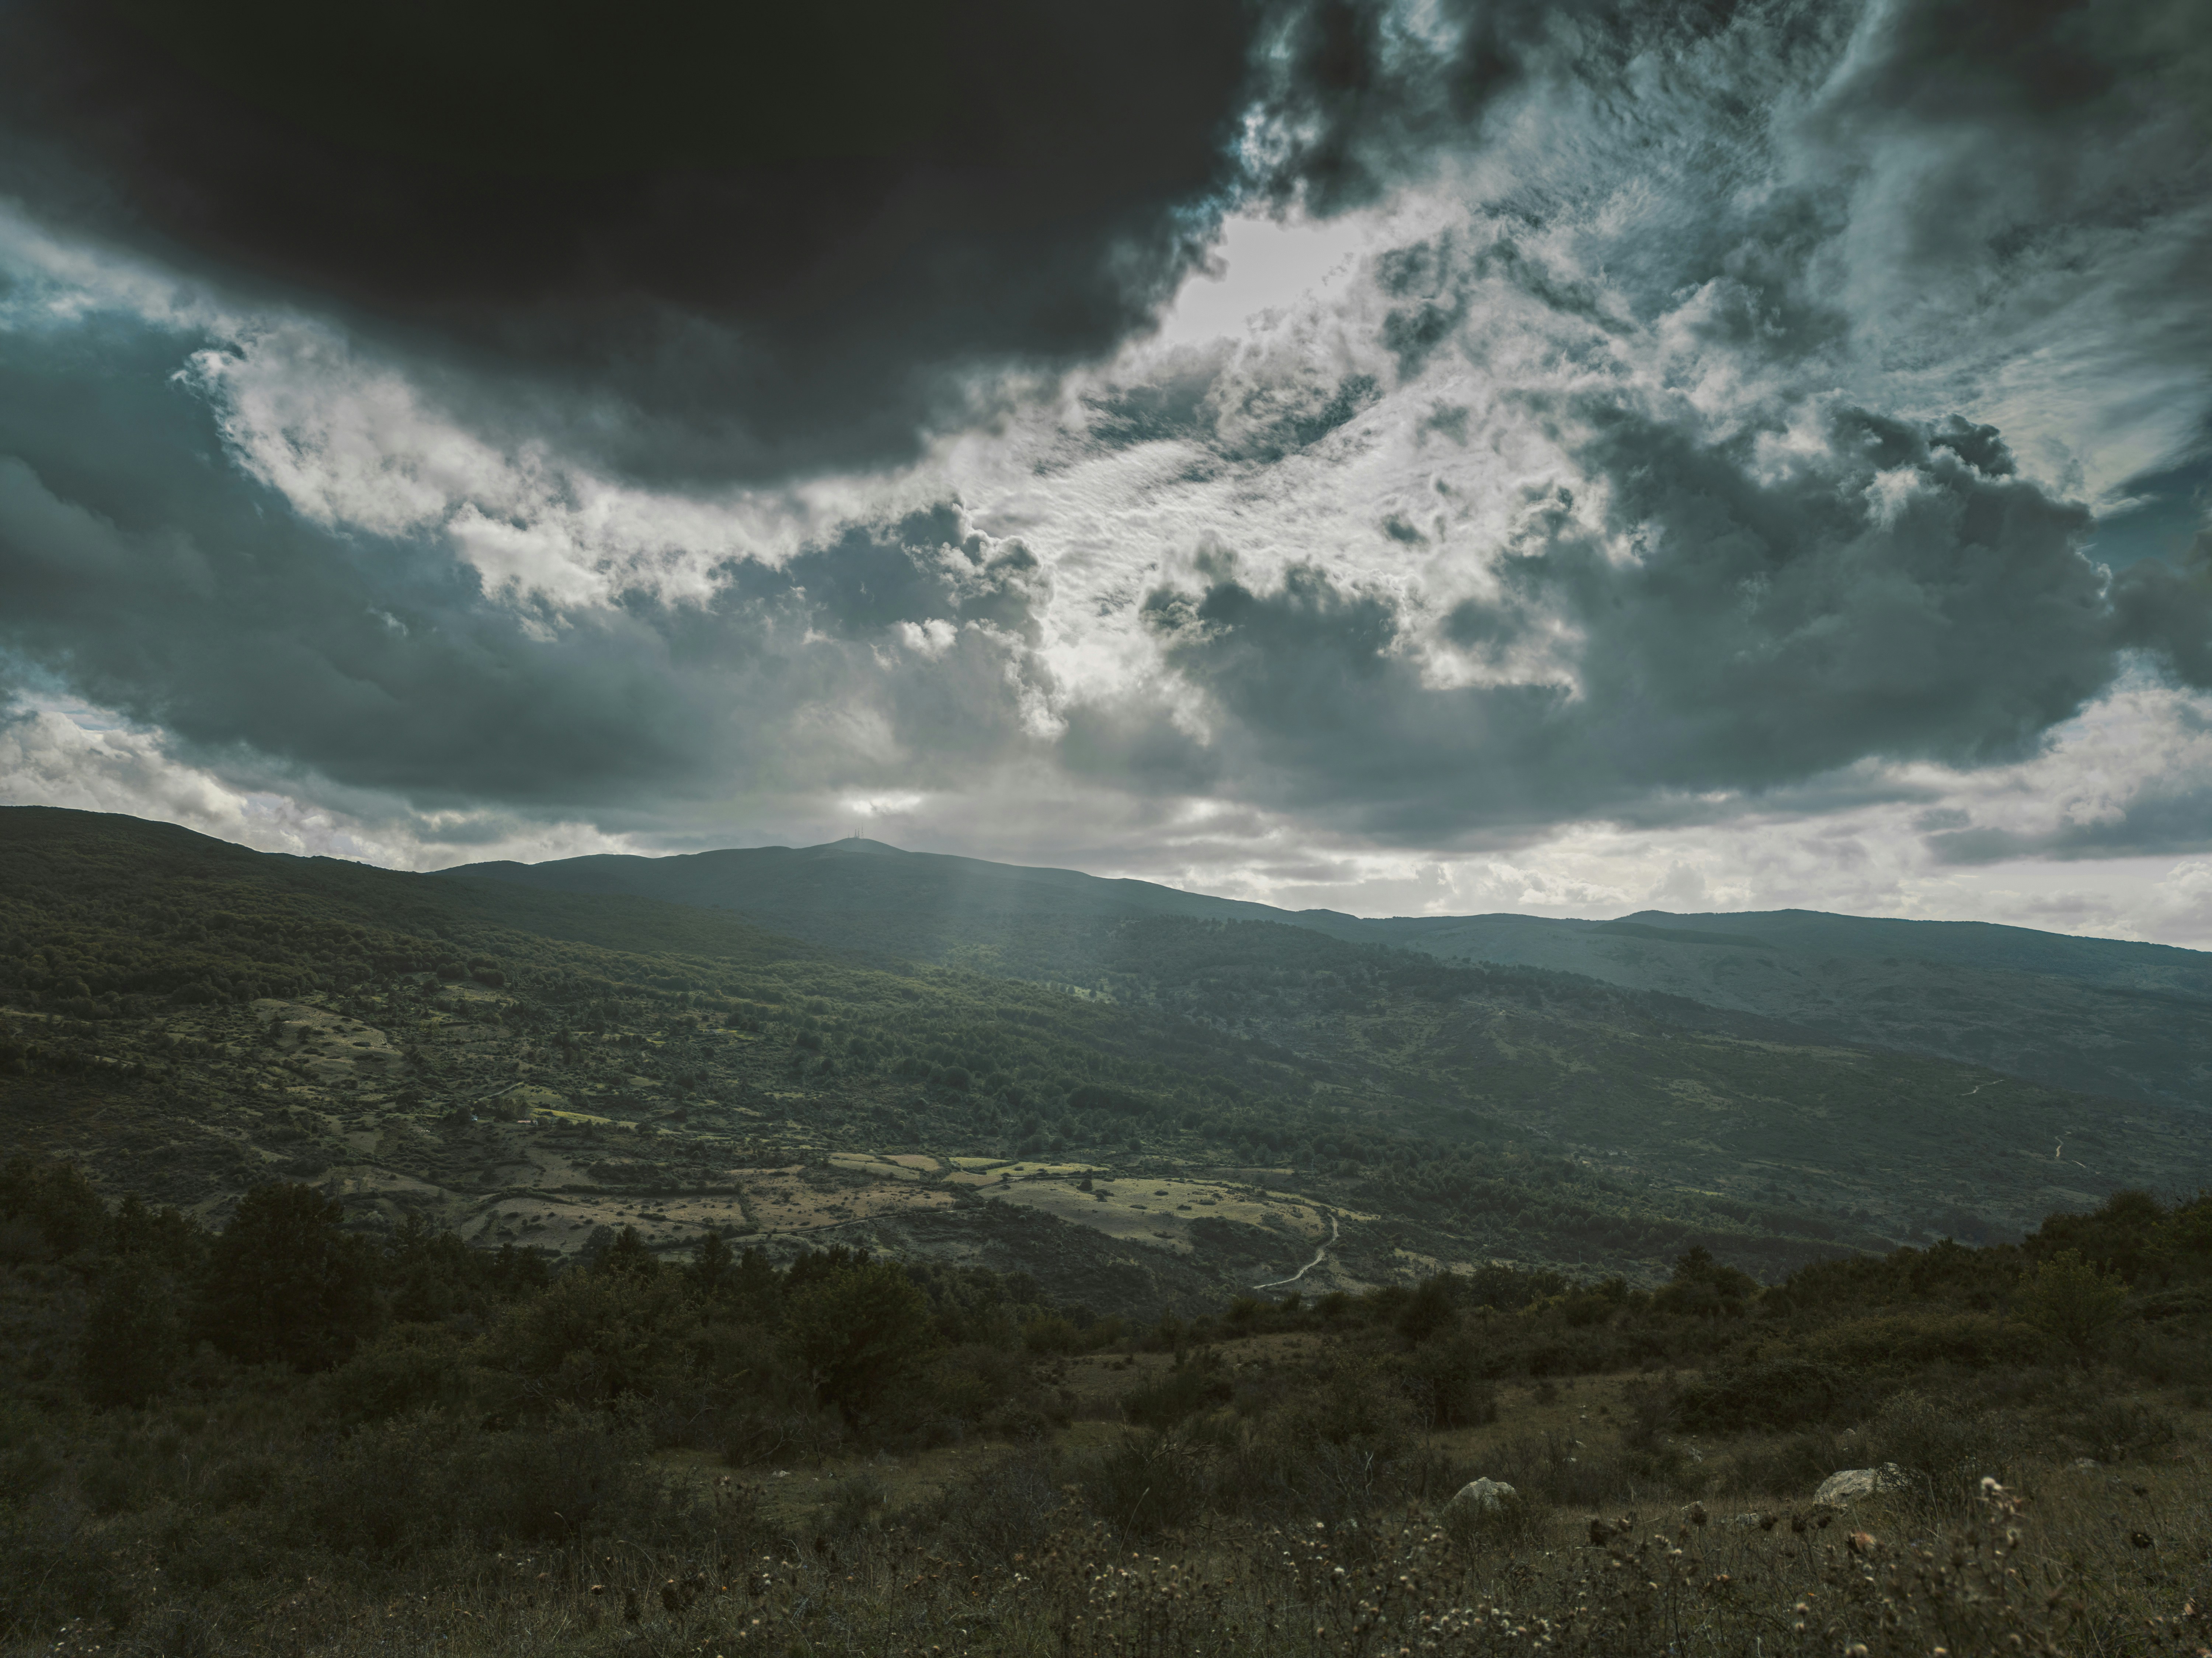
284 1438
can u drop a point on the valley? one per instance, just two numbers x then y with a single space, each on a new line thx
1190 1112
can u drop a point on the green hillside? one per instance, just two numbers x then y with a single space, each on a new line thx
2126 1019
2100 1015
1204 1106
872 900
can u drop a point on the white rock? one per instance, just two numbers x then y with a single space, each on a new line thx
1841 1491
1484 1495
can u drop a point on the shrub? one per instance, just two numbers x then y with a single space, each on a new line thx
1796 1464
1550 1468
853 1504
2072 1303
1052 1333
409 1367
1000 1512
398 1488
29 1462
1143 1484
1780 1393
133 1338
596 1336
1354 1403
1949 1450
1194 1383
970 1382
1444 1378
857 1328
1973 1341
2119 1429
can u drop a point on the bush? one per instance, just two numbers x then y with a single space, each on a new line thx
594 1336
1550 1468
2118 1430
29 1462
857 1329
1948 1450
409 1367
1354 1403
1193 1384
133 1338
968 1382
1795 1465
1000 1512
1444 1378
1143 1484
1781 1394
1972 1341
1052 1333
396 1489
853 1504
2075 1304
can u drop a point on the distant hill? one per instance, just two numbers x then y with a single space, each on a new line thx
864 895
2102 1015
951 1046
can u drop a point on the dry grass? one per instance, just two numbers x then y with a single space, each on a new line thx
2069 1561
991 1549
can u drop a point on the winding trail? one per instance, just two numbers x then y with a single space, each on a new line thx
1320 1255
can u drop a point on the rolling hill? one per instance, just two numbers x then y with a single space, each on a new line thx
2128 1019
1167 1106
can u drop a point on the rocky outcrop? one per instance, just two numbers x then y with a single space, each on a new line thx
1484 1496
1841 1490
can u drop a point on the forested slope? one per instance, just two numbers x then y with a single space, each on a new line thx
1213 1104
2109 1016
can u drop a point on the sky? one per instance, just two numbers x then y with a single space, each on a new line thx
1407 457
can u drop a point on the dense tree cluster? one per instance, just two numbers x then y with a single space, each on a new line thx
833 1342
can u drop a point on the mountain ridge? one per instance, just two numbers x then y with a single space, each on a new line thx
2093 1014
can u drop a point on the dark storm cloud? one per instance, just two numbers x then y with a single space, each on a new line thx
2165 514
1901 595
1711 616
1828 171
2031 63
712 244
1357 102
2158 823
143 572
2168 612
927 565
713 240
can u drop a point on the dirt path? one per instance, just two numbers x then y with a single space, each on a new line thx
1320 1254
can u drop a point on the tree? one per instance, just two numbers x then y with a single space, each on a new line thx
163 1235
744 1287
1434 1308
284 1284
628 1257
857 1329
133 1337
56 1200
430 1275
2071 1302
1704 1287
593 1337
713 1270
